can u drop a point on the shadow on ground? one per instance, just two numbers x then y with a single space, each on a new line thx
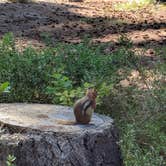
71 22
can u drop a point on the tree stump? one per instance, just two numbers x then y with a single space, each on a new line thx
32 134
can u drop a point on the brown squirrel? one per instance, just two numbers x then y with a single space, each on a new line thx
83 108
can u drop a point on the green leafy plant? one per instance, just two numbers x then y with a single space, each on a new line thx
10 160
7 45
60 89
4 87
61 75
28 72
63 91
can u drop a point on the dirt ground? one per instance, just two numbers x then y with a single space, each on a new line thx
73 21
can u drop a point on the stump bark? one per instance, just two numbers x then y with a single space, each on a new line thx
32 134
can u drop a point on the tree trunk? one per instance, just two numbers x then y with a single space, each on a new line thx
32 133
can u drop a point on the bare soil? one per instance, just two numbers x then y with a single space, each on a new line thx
73 21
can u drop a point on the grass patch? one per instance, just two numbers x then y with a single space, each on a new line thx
133 5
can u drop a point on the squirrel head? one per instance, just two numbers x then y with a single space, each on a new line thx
91 93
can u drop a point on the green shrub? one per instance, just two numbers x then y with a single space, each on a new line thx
61 75
10 160
140 115
82 63
30 72
62 90
4 87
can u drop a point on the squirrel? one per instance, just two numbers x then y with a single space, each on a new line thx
83 108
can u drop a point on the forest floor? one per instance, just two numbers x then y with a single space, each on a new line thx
100 20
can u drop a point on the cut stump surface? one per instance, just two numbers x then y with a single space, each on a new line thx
32 133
